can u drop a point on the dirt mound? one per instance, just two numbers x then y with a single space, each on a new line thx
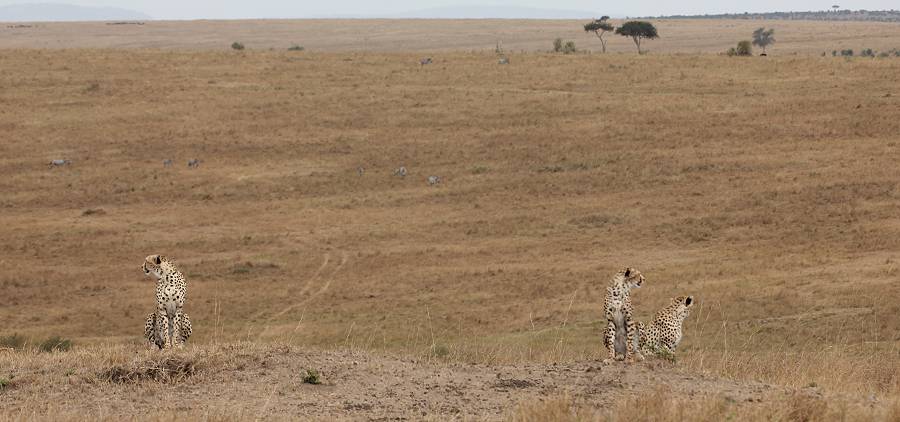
268 381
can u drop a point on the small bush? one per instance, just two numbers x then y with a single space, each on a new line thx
557 45
296 47
744 48
480 170
14 341
833 53
867 52
169 369
55 344
569 47
847 53
731 52
312 377
440 351
4 383
237 46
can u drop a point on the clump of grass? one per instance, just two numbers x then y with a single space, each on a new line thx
480 170
170 369
93 211
237 46
440 350
312 377
55 344
296 47
662 353
14 341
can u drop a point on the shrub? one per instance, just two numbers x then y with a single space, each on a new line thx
237 46
847 53
4 383
296 47
731 52
744 48
14 341
312 377
558 45
55 343
867 52
569 47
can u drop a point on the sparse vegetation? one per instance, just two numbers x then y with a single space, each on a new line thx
558 45
763 38
600 27
296 47
12 341
638 31
743 49
311 377
55 344
237 46
569 47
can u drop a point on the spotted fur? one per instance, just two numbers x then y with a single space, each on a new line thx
665 331
151 330
171 289
620 325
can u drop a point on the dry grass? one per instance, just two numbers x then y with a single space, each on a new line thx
429 36
765 188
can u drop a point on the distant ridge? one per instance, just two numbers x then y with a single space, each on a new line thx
483 12
53 12
823 15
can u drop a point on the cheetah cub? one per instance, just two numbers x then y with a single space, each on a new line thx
620 325
170 293
664 333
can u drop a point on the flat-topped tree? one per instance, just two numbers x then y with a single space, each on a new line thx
638 31
763 37
599 27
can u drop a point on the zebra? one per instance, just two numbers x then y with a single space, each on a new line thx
434 180
167 163
401 172
59 163
194 163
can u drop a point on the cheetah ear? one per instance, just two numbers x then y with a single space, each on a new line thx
689 301
627 272
158 260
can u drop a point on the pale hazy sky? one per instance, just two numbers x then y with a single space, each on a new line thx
236 9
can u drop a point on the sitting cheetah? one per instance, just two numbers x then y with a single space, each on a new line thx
151 330
619 321
664 333
170 293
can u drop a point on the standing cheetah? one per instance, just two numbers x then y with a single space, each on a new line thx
620 326
170 293
664 333
151 330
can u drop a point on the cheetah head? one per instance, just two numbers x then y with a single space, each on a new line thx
156 266
632 278
684 303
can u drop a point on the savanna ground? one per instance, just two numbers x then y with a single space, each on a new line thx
765 187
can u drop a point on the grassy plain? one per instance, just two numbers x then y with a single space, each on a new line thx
765 187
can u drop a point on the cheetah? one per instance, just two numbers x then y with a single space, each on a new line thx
151 330
170 294
620 326
664 333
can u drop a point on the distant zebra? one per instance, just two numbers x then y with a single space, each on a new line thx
167 163
401 172
425 61
194 163
59 163
503 60
360 171
434 180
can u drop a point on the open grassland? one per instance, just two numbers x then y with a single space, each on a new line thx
428 36
767 188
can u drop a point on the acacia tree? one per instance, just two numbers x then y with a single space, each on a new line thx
600 27
638 31
763 38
